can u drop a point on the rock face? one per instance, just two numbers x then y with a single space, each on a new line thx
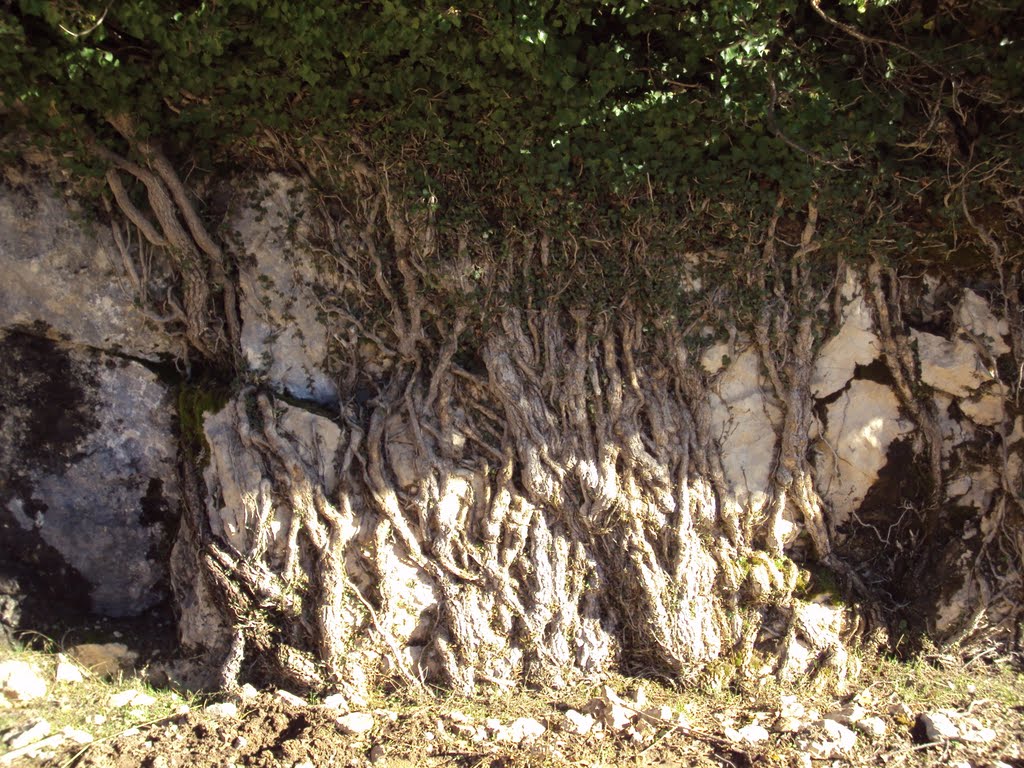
88 464
862 424
550 500
284 337
68 276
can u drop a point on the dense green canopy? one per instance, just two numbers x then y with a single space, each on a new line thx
587 116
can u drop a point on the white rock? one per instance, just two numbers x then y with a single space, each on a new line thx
96 719
855 344
35 731
789 706
848 715
862 424
456 716
20 681
741 415
355 722
226 709
104 658
290 698
336 701
77 736
985 408
283 333
788 725
247 692
953 366
872 726
68 671
578 723
975 315
938 726
748 734
838 741
123 698
522 729
978 735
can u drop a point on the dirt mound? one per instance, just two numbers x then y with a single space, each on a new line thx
265 734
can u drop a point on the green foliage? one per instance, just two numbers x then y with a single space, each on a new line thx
579 117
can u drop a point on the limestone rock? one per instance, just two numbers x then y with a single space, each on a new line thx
284 336
748 734
33 732
77 736
87 474
953 366
67 671
862 424
523 729
975 315
874 727
20 681
837 743
289 698
848 715
225 709
855 343
938 726
61 274
356 722
578 723
336 701
743 416
987 407
104 659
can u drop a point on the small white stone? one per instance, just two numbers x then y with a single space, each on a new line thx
748 734
456 716
123 698
19 681
35 731
290 698
96 719
77 736
578 722
848 715
872 726
223 709
978 735
522 729
938 726
841 738
247 692
336 701
68 671
355 722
